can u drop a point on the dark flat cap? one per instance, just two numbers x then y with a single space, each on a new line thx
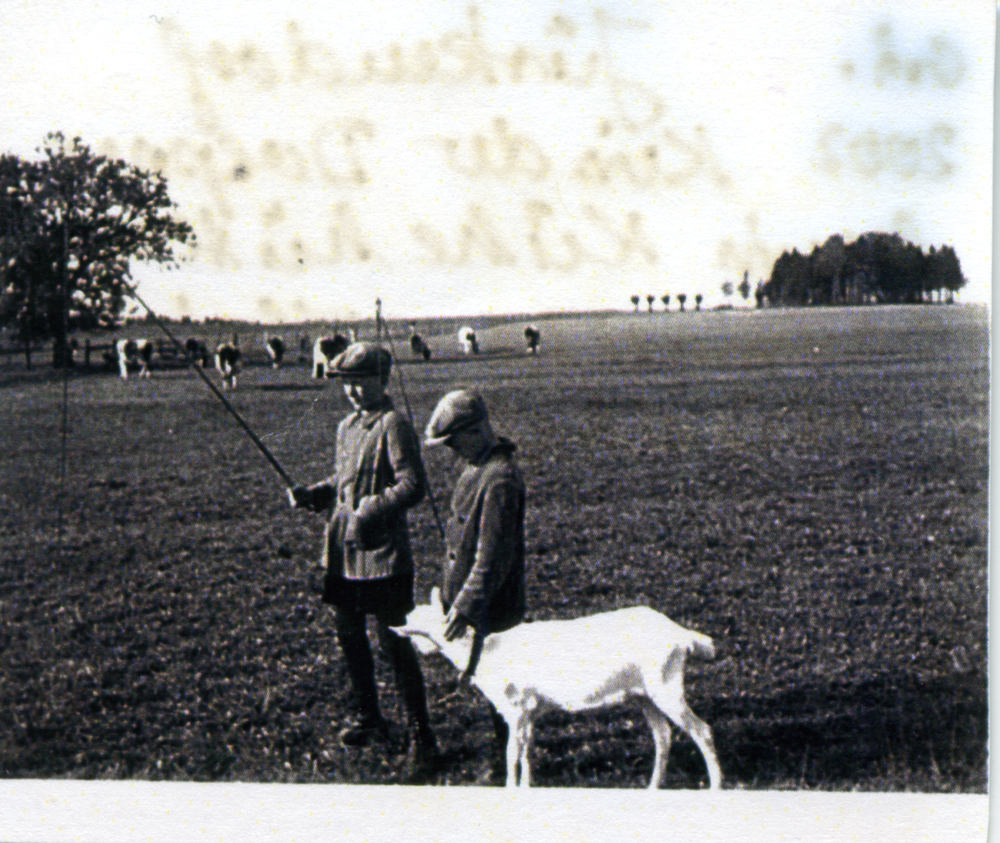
361 359
456 411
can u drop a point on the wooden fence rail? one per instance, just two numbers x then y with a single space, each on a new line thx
91 354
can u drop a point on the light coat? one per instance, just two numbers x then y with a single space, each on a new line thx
379 476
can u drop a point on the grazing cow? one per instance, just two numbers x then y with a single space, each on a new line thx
130 352
305 343
275 350
467 341
227 361
418 347
146 349
324 350
587 663
197 351
532 336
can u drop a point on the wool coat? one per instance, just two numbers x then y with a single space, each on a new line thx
484 569
379 476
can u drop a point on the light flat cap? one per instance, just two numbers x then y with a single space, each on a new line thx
456 411
359 360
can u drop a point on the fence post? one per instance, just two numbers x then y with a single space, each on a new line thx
86 353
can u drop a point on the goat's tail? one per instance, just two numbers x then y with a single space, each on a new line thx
702 647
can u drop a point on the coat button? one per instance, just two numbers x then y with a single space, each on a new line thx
451 555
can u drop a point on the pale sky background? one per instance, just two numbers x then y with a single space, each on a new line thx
461 158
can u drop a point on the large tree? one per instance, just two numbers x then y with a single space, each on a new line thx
70 223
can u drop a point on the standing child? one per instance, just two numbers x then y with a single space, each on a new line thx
369 564
483 580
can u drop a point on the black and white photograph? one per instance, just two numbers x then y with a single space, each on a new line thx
489 420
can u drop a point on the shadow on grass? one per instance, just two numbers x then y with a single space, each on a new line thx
888 733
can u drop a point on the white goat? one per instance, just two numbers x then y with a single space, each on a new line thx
467 341
587 663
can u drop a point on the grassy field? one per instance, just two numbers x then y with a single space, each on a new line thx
809 487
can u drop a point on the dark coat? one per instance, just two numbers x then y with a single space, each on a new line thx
379 476
484 570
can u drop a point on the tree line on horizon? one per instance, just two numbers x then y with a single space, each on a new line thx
877 268
71 221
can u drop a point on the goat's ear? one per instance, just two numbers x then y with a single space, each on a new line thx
406 631
421 639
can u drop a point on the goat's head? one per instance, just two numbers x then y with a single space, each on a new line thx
425 625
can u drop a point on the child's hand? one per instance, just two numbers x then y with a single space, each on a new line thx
455 625
300 497
367 509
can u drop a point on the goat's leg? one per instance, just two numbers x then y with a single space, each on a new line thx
669 699
701 734
529 740
514 742
518 747
501 731
662 737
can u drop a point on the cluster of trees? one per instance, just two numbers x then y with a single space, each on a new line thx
728 288
70 223
875 268
744 288
681 301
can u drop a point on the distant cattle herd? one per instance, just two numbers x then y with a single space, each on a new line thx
135 355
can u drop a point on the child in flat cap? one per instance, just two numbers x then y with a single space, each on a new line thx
483 580
369 564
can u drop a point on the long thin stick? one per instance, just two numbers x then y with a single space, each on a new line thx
406 402
218 394
67 356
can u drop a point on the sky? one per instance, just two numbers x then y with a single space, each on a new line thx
499 157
